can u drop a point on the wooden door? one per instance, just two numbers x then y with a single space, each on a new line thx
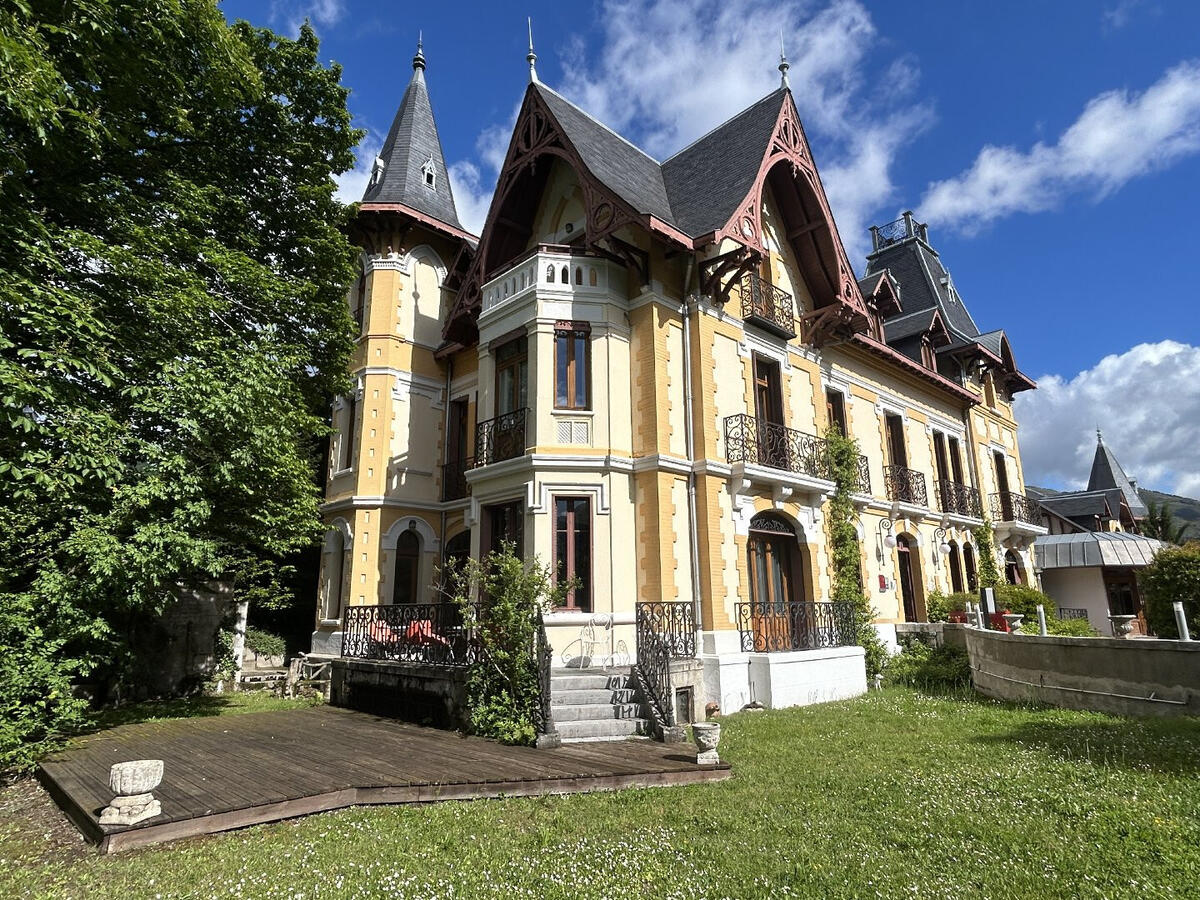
907 592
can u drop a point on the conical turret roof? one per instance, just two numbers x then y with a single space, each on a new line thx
410 168
1107 474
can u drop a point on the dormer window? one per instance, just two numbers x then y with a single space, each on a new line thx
430 174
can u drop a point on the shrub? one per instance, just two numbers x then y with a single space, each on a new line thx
1173 575
930 668
264 643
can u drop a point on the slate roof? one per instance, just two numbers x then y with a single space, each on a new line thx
707 179
1078 504
411 143
908 325
1107 474
1094 548
925 284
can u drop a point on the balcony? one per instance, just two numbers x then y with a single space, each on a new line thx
958 499
905 485
454 478
781 626
501 438
755 442
552 272
1008 506
768 306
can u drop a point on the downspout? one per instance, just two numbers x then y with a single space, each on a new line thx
689 445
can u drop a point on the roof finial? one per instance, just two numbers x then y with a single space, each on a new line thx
1099 436
532 57
419 59
783 64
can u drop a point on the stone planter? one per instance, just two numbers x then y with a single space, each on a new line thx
1121 625
706 735
1013 621
132 783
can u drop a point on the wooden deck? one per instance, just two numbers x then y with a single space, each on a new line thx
228 772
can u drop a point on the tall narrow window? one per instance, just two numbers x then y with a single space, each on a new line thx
350 413
969 565
956 580
835 410
360 300
512 376
897 454
408 555
572 366
955 459
573 548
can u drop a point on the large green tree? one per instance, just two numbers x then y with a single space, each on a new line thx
172 321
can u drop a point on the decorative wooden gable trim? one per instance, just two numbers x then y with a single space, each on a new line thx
840 305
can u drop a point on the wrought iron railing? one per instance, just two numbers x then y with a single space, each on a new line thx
958 499
454 478
905 485
664 631
891 233
542 656
1008 506
864 476
501 438
769 627
751 440
768 305
428 633
1072 612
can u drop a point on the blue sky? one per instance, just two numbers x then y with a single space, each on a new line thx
1054 149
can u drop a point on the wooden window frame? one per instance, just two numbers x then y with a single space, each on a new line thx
835 410
569 334
519 359
568 567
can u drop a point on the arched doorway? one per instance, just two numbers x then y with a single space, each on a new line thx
909 564
778 589
407 557
1012 568
956 579
969 565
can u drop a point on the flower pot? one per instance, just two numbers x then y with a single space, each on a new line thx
140 776
1121 625
706 735
1013 621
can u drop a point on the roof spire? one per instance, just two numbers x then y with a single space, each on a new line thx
1099 436
419 59
531 57
783 64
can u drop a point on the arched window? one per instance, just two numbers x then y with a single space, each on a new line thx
407 564
550 274
578 275
335 565
566 275
1012 569
956 581
969 565
591 276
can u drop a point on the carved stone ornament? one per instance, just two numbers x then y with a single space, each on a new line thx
132 783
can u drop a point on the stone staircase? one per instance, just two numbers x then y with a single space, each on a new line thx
596 705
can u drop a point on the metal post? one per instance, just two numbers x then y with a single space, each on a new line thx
1041 611
1181 621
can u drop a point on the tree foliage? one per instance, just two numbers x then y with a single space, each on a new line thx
1173 575
1160 523
846 549
172 321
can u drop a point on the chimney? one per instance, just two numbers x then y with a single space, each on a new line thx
908 223
923 231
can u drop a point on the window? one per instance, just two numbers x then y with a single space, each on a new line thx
408 555
350 413
897 454
835 410
572 366
360 300
956 580
573 548
969 565
512 376
430 173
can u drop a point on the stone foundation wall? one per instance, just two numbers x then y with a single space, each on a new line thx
425 695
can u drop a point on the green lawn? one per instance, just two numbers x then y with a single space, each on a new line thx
895 794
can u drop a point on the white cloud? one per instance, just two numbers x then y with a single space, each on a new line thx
1146 402
472 195
289 15
352 185
667 71
1117 16
1118 136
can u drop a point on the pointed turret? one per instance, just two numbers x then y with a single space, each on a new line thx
411 169
1108 475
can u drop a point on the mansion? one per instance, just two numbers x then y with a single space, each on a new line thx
630 375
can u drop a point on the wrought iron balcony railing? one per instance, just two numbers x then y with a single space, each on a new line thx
426 633
501 438
958 499
1008 506
864 476
768 306
751 440
1072 612
454 478
769 627
905 485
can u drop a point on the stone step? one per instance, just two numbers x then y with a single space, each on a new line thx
590 697
595 712
602 729
588 682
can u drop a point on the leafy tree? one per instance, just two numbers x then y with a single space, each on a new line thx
1174 574
1160 523
172 323
847 551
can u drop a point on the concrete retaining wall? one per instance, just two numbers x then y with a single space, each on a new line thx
426 695
1124 677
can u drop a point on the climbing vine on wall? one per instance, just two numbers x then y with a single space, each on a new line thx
846 549
989 572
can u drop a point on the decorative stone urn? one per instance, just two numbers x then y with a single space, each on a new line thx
1013 621
132 783
706 735
1121 625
